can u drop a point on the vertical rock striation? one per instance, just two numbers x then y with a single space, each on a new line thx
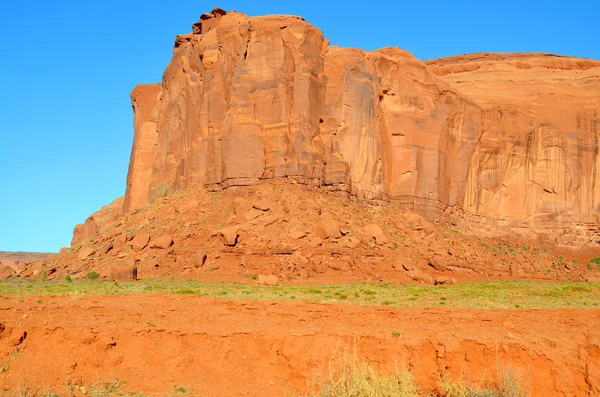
495 143
535 169
145 99
248 99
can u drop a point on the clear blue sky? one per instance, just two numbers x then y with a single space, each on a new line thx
68 66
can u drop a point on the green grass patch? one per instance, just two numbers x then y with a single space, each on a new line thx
496 294
93 275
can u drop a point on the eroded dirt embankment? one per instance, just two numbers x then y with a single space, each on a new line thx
260 348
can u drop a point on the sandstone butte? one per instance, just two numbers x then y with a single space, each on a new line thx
494 143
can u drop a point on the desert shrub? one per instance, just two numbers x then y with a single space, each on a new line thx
595 260
179 390
508 384
93 275
352 377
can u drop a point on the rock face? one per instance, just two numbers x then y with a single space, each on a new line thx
535 166
247 99
124 273
492 142
163 242
140 241
85 253
97 220
145 100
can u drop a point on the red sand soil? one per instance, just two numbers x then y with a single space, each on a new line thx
230 348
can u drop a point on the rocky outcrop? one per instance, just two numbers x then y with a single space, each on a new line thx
493 143
145 100
97 221
248 99
240 102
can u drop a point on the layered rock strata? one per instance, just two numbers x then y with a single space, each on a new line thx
493 143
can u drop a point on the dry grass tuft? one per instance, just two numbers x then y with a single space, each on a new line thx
350 376
508 384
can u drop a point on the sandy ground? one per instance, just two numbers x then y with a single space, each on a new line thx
255 348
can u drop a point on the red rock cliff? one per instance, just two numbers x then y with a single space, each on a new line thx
247 99
535 167
491 142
